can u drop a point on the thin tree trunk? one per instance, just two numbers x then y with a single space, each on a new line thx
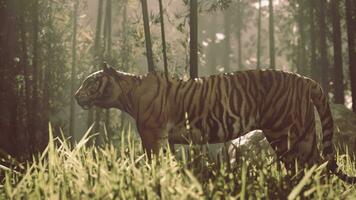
25 66
73 71
146 26
259 36
227 50
98 31
350 24
45 106
271 36
324 65
108 50
239 31
314 70
301 64
193 24
164 49
97 59
124 25
125 59
35 135
337 45
108 28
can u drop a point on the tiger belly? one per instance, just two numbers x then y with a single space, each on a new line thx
207 133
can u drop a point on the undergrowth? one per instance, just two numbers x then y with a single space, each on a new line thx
120 170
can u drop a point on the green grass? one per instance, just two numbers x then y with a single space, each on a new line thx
122 171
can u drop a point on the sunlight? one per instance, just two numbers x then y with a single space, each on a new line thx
264 3
219 37
205 44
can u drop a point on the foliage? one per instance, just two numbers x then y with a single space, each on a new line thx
123 172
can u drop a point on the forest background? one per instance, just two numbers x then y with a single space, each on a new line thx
49 46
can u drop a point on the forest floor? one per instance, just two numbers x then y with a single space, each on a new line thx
123 172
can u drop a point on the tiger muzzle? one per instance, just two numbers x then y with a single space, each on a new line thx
85 104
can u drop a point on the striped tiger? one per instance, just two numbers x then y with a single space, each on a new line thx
220 108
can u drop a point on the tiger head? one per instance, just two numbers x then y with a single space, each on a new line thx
98 89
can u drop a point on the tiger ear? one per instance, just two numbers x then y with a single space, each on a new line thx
105 67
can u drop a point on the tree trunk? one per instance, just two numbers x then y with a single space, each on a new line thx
239 31
146 26
125 53
227 45
271 36
314 70
337 46
108 29
25 67
97 62
259 36
125 44
193 25
323 63
35 99
73 72
164 51
350 24
108 49
8 85
45 105
301 64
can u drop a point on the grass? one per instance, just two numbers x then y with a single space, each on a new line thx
122 171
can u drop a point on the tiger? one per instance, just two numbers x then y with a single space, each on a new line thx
221 108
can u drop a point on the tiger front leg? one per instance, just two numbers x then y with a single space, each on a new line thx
153 139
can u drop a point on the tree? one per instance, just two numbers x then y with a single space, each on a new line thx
125 54
146 27
301 55
271 36
8 70
73 70
96 62
239 33
35 99
227 47
323 61
25 65
337 46
46 79
164 51
259 36
193 25
108 48
312 34
350 25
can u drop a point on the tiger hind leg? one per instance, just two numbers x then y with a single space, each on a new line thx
282 142
296 147
308 153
